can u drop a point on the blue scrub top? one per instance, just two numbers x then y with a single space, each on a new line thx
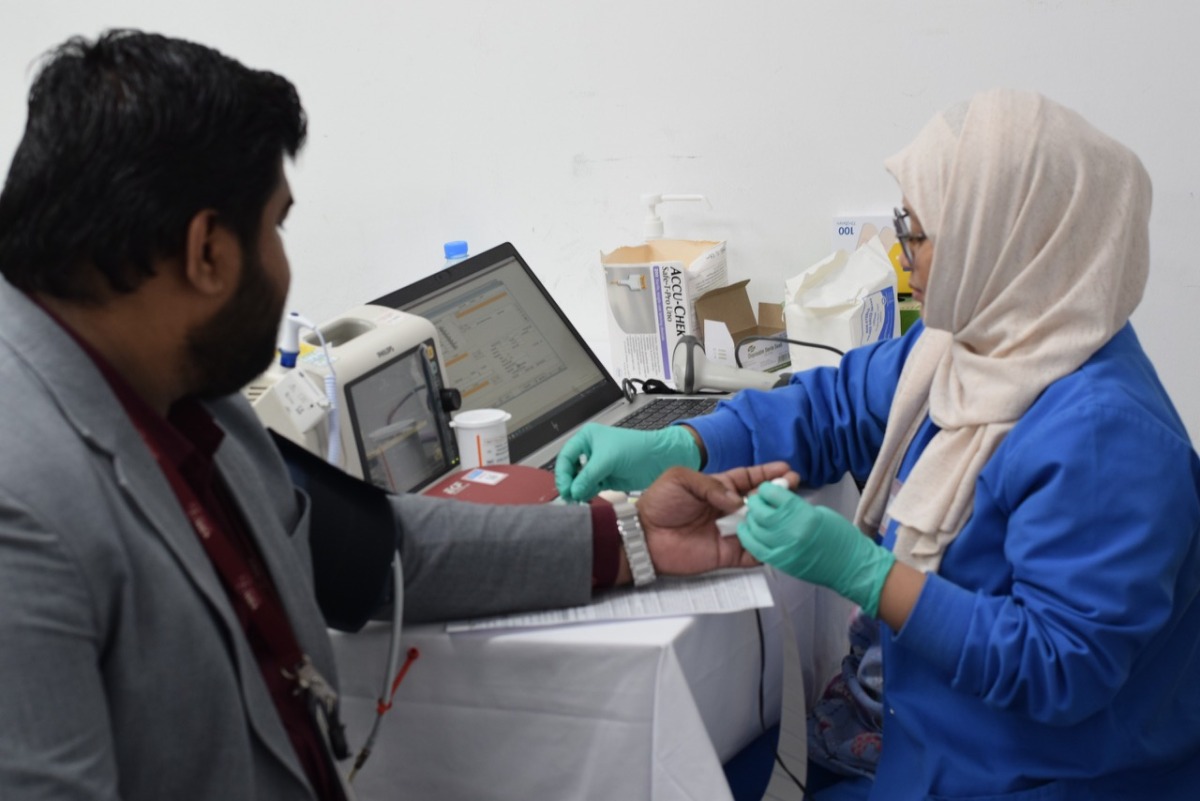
1054 654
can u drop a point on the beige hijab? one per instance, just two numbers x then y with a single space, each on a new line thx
1039 225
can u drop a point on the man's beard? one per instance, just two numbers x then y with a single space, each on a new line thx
238 342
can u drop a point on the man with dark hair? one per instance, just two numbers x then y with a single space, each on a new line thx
126 138
161 639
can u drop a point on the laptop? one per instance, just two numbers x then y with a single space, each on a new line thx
506 344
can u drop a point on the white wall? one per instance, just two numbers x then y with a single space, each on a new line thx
540 122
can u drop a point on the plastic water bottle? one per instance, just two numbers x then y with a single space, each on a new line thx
455 251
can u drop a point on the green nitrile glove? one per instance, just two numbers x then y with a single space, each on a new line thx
620 459
814 544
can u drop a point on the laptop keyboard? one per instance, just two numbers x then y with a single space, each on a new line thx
663 411
660 413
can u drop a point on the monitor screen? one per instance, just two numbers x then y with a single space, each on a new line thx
400 445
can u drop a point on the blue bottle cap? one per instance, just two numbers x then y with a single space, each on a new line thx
455 250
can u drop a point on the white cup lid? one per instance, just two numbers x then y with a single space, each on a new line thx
480 418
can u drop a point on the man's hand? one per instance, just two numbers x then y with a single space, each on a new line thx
679 515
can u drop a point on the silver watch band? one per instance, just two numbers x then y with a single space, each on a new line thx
634 540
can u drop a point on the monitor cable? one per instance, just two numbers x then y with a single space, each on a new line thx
762 717
289 352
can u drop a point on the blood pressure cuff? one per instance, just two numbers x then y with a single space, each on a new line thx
352 537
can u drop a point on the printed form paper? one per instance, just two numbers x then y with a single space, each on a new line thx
713 593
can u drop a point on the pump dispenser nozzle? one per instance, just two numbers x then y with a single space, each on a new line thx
652 227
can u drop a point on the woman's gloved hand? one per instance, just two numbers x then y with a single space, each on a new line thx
815 544
620 459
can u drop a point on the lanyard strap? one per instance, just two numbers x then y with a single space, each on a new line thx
250 588
246 578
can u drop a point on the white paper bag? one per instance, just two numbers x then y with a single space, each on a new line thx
843 301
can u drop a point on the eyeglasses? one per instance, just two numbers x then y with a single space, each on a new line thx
905 234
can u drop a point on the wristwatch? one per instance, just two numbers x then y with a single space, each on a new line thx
634 540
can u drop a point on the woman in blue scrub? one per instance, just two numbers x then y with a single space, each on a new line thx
1032 498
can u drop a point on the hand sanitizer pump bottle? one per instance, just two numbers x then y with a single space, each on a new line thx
629 295
652 226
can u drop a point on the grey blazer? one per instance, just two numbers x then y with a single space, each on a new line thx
123 670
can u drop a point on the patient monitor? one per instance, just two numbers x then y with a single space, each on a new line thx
372 397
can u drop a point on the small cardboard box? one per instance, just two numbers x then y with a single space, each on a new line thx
726 319
652 290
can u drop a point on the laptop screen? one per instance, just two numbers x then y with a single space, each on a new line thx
506 344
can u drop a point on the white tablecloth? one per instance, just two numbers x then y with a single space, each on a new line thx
626 710
631 710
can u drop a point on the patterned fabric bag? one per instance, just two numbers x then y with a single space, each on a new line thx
845 727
